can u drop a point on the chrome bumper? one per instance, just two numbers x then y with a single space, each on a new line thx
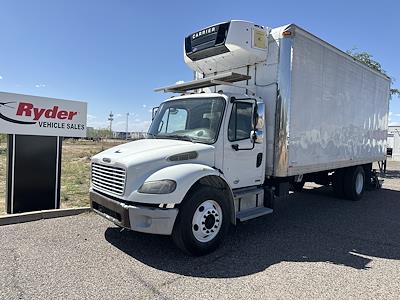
137 218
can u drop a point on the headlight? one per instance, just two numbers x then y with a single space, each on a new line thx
165 186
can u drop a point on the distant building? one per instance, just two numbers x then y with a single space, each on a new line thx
393 142
121 135
137 135
131 135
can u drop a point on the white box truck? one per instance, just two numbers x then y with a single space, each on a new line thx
267 111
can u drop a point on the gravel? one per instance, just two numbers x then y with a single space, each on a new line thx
313 246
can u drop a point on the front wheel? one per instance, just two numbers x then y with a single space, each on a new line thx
202 222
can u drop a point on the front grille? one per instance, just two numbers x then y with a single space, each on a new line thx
108 178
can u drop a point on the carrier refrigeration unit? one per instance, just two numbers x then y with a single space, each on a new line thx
267 111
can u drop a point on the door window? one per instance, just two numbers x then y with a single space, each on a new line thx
240 123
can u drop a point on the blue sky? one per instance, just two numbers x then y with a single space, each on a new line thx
112 54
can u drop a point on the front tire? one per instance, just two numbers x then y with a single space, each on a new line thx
203 221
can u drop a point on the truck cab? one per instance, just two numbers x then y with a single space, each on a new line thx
227 123
205 147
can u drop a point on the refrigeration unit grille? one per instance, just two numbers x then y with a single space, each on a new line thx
108 178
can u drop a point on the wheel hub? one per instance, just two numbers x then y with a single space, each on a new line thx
207 221
359 183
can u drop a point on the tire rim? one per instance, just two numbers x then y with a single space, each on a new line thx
359 183
207 221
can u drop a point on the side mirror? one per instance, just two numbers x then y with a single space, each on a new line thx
259 116
257 136
154 112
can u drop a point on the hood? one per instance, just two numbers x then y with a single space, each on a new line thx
147 150
142 158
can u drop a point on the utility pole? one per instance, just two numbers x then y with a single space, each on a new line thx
111 119
127 119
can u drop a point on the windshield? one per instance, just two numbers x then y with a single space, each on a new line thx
194 119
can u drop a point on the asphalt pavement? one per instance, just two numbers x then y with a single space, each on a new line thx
313 246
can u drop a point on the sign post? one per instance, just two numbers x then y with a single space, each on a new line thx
35 127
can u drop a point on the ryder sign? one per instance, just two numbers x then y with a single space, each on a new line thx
31 115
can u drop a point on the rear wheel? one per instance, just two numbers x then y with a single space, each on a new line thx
202 222
354 183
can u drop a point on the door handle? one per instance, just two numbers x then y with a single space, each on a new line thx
235 147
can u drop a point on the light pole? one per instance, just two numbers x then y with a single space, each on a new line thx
111 119
127 120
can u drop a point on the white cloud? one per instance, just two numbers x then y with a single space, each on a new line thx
394 123
119 126
140 126
144 105
179 82
40 85
136 121
1 77
135 124
98 124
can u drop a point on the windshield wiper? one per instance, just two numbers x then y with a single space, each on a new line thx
176 136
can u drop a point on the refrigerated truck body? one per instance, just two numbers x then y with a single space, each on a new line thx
267 111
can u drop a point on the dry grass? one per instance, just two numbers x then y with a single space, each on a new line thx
74 173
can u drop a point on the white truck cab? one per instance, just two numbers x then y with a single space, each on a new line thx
221 151
190 148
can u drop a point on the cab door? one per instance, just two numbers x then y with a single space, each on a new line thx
244 159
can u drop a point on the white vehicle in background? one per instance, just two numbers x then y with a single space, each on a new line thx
267 111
